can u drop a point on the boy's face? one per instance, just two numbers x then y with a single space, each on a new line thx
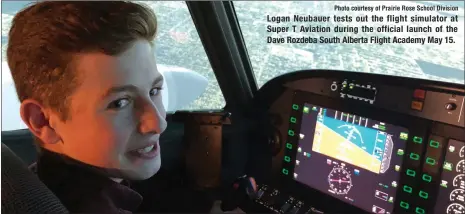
116 113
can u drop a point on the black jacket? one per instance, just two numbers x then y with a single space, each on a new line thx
82 190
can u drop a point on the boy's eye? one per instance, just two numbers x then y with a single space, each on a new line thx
155 91
117 104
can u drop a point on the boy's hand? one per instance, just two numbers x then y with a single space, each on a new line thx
241 192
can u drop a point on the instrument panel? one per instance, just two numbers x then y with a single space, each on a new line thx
355 142
353 155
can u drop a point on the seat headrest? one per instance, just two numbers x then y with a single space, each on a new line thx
22 191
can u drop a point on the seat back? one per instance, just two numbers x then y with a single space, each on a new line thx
22 191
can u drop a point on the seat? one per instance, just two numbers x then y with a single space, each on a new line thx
22 191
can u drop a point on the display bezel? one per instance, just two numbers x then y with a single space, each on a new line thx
414 125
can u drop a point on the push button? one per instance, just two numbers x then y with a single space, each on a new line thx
419 94
414 156
285 171
417 139
404 205
295 107
423 194
419 210
410 173
288 145
426 178
407 189
417 105
293 120
434 144
430 161
287 159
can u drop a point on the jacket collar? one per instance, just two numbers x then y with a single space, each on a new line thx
80 186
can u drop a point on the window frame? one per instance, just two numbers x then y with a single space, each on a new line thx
221 36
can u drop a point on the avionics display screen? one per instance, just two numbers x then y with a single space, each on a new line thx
353 158
451 195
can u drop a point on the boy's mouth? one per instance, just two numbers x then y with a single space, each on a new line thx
147 152
146 149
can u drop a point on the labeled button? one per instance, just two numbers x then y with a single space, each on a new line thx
293 120
414 156
430 161
434 144
419 210
404 205
287 159
426 178
295 106
423 194
417 105
419 94
407 189
410 172
417 139
285 171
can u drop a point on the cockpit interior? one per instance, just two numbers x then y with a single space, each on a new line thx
315 140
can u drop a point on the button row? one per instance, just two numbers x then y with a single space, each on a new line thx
409 190
430 161
406 206
424 177
291 133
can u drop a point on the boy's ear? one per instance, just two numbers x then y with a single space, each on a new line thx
37 119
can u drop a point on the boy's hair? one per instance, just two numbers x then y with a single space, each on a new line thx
45 37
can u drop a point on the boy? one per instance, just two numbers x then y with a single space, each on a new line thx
89 88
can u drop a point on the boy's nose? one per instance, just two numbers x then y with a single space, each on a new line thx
152 120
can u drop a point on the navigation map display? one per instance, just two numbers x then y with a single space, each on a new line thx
357 159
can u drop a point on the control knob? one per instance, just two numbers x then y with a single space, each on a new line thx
451 106
333 86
